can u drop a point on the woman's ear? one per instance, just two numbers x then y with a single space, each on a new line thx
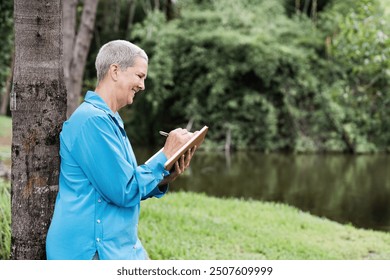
113 72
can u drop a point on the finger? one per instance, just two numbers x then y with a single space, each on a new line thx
182 163
177 131
177 168
190 153
193 150
173 173
188 158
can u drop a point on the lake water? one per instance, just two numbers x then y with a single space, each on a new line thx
351 189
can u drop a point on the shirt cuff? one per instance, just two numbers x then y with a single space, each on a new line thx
156 165
158 191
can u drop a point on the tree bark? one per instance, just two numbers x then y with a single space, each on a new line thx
131 4
79 45
38 105
69 34
170 10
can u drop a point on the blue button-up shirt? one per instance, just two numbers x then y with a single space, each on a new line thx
100 187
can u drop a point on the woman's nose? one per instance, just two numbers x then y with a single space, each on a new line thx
142 85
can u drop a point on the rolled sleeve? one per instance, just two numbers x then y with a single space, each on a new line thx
156 167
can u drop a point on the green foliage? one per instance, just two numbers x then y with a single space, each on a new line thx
361 51
5 219
6 46
222 68
193 226
273 78
362 45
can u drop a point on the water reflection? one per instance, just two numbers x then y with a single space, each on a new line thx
344 188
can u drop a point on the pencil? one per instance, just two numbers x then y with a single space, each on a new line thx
163 133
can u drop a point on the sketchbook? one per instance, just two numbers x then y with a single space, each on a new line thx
196 140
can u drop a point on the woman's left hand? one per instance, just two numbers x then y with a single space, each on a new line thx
180 166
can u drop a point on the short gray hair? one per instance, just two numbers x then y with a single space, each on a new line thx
120 52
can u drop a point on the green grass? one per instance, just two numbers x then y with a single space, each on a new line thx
5 125
5 219
5 188
5 139
194 226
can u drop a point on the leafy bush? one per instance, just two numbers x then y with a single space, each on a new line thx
236 67
272 75
360 48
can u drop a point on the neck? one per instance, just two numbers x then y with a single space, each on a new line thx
109 97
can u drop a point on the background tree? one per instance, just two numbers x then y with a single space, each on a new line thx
38 105
76 46
116 18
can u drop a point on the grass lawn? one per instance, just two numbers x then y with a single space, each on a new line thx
5 219
5 126
195 226
5 139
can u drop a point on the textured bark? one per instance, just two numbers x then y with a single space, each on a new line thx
38 105
79 45
69 34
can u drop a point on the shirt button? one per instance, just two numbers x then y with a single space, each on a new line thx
99 200
98 239
98 221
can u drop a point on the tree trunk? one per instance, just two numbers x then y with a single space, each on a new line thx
170 10
129 17
38 105
69 34
80 44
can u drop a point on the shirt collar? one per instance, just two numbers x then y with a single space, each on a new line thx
94 99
